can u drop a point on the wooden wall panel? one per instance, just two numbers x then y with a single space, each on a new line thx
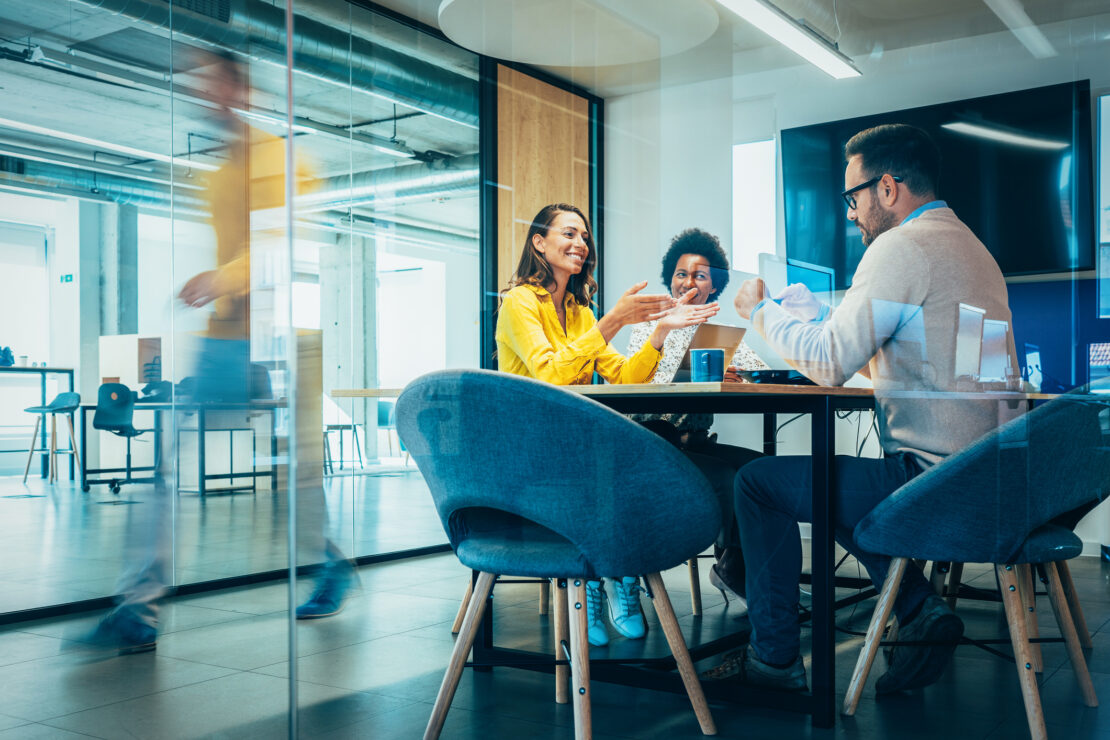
543 151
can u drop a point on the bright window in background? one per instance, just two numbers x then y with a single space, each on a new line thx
26 291
753 203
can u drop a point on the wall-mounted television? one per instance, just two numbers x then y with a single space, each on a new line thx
1015 167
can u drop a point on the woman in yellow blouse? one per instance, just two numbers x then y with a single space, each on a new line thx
547 330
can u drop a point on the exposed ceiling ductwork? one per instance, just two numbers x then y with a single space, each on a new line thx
258 29
53 178
405 182
378 187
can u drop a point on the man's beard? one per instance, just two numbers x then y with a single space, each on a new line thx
879 220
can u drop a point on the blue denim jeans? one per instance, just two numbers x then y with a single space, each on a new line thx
773 494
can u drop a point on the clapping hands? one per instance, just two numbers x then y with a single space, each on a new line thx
684 314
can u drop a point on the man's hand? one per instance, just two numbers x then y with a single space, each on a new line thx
201 289
800 302
751 293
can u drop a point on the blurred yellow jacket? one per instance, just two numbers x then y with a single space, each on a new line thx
250 183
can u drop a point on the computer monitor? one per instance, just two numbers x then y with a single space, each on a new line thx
820 280
995 363
969 341
1032 370
1098 358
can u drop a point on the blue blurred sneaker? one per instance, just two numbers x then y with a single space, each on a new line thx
624 607
331 589
122 630
596 632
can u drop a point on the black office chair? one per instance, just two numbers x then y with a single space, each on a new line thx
115 411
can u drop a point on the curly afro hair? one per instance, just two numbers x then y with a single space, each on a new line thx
704 244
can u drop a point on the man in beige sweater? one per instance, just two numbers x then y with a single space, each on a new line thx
897 324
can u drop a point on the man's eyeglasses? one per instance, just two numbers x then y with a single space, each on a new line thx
849 195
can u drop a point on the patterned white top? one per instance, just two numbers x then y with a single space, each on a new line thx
674 348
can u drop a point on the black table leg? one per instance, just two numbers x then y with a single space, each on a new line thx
201 466
770 444
823 676
69 375
273 452
42 395
84 450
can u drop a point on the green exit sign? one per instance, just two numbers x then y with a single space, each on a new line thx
67 278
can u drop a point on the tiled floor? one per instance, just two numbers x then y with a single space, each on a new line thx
59 545
221 670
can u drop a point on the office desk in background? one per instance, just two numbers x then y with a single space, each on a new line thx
43 400
201 410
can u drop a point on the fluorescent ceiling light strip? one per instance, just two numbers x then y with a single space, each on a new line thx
97 143
788 32
311 127
1005 137
1022 26
272 120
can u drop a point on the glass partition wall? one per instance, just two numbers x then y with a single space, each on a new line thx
228 351
115 197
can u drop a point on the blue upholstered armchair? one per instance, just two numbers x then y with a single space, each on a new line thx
530 479
1010 499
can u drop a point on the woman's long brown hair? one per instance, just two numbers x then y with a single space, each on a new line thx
533 268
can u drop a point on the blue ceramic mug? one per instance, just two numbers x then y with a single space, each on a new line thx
707 365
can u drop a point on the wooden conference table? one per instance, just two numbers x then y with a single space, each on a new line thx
821 405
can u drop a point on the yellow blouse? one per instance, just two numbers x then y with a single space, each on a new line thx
531 342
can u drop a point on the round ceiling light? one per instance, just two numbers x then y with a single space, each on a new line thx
578 33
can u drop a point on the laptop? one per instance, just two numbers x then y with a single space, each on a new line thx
711 336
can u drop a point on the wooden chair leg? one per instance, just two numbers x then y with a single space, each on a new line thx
954 577
1015 618
695 586
34 444
580 662
562 638
1073 605
1027 591
1059 601
462 647
462 608
73 441
677 643
874 633
545 598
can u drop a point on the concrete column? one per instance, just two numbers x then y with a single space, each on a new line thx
119 269
348 318
87 379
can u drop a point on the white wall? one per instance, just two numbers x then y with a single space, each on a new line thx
668 150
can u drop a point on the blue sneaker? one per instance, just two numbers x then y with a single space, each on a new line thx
331 589
121 630
624 607
596 632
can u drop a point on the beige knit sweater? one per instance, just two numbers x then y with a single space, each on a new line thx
899 319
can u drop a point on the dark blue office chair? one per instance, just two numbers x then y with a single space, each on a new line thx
65 404
530 479
115 410
1010 499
